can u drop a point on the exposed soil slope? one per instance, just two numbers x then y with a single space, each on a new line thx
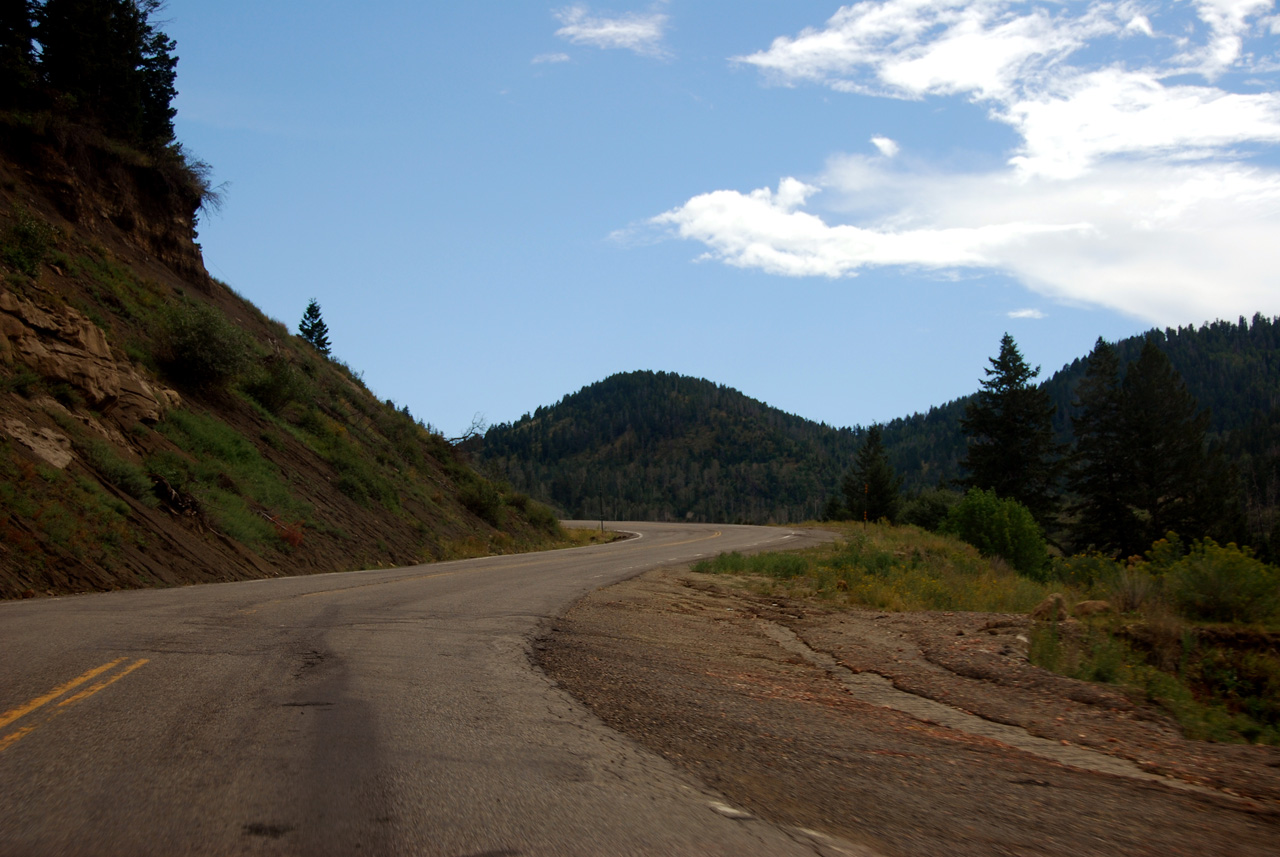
121 467
909 733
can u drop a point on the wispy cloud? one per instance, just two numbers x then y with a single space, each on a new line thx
1026 313
550 58
1132 185
640 32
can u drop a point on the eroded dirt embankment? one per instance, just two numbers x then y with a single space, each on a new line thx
924 733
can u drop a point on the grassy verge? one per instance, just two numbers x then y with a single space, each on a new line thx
889 568
577 538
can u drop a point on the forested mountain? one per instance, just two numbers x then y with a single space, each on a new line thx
660 446
663 446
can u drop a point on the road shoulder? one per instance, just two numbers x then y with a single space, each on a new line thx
774 704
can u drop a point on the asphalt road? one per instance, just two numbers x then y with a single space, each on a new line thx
376 712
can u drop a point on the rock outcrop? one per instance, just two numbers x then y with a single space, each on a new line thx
50 445
64 345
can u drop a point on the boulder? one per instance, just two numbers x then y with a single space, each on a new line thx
1051 609
1091 608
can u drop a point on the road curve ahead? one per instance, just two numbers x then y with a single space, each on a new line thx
377 712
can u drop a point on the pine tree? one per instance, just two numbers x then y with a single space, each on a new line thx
17 66
1100 475
1164 438
871 487
313 329
1010 432
106 61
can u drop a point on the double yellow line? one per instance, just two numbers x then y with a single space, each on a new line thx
15 714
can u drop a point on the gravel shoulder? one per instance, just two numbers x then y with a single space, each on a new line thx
905 733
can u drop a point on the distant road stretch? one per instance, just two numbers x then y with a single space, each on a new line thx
375 712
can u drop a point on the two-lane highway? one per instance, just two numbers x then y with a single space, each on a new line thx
378 712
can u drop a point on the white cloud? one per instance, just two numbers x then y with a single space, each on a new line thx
1026 313
550 58
1112 112
1131 186
634 31
1166 243
765 229
1140 24
887 147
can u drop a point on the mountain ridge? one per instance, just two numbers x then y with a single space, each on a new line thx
580 453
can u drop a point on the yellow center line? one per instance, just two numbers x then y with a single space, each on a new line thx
714 535
14 736
21 711
25 709
85 694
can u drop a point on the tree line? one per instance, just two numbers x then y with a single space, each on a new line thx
660 446
101 62
1140 464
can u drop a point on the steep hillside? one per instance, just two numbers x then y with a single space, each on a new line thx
659 446
157 429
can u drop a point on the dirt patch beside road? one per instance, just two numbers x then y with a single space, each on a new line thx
908 733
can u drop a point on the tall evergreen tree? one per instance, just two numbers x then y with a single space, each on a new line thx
1099 474
1009 427
1174 483
107 63
871 487
313 329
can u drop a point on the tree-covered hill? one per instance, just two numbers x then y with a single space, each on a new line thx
660 446
663 446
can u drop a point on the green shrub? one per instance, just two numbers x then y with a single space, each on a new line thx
1223 584
26 243
1000 527
541 517
535 513
201 346
482 500
1084 570
1132 587
275 384
928 509
1245 682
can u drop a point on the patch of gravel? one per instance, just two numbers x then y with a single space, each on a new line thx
910 733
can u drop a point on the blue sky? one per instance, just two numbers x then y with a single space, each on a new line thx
835 209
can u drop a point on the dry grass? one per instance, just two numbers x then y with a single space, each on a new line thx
889 568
